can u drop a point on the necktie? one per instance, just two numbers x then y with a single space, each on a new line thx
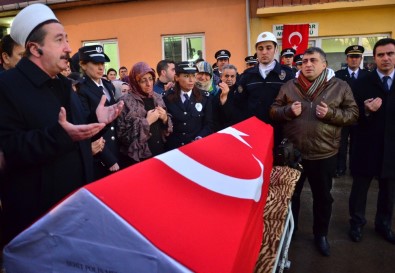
186 101
353 75
104 92
385 83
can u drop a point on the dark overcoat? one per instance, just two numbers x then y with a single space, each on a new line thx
374 140
90 95
43 164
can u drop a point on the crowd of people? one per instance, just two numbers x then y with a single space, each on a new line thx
65 121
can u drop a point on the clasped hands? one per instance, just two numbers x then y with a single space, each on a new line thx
320 111
155 114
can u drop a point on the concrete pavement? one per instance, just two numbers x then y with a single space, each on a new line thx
372 255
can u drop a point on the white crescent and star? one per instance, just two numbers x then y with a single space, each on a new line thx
213 180
298 34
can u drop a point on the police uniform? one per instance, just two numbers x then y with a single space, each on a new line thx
256 94
90 94
221 54
250 60
347 131
191 121
288 52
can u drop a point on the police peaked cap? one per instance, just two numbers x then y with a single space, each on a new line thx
354 50
288 51
298 59
186 68
93 53
222 54
250 60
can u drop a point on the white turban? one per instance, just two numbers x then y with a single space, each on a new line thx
28 19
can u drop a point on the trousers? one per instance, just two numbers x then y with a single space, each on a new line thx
319 174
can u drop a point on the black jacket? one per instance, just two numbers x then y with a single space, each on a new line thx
345 76
255 94
90 95
373 146
43 164
189 123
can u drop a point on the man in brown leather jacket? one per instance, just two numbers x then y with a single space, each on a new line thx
312 108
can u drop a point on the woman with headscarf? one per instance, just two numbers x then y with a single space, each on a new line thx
144 122
206 79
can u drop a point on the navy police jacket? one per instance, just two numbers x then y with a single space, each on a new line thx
255 94
188 123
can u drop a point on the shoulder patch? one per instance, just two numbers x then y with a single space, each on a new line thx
282 75
240 89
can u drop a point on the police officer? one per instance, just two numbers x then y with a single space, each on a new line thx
190 108
298 62
251 61
287 56
222 56
259 85
90 90
351 73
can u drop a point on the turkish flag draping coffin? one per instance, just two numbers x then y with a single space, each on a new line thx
194 209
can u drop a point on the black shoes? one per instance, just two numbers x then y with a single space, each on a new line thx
355 234
387 234
321 242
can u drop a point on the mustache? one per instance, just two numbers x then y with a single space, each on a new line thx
66 56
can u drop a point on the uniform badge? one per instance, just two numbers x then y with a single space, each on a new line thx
240 89
199 106
282 75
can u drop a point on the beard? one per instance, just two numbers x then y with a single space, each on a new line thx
203 85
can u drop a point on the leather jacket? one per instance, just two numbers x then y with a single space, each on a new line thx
316 138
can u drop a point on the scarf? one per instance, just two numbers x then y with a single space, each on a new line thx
311 89
137 72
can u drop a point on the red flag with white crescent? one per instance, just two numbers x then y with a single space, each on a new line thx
198 208
296 37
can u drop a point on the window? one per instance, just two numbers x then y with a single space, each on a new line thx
183 47
334 49
110 49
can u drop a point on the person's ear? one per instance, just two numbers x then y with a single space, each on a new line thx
5 58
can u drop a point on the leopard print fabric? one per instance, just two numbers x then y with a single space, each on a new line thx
282 185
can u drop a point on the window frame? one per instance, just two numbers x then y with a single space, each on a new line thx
184 38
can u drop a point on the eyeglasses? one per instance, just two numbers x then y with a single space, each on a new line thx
288 56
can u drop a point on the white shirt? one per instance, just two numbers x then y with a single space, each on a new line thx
265 69
184 92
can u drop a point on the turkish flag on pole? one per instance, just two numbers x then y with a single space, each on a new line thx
296 37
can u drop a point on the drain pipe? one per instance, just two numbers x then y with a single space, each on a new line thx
248 27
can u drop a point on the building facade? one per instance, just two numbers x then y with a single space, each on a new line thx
151 30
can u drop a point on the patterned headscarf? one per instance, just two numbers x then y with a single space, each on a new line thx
135 75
